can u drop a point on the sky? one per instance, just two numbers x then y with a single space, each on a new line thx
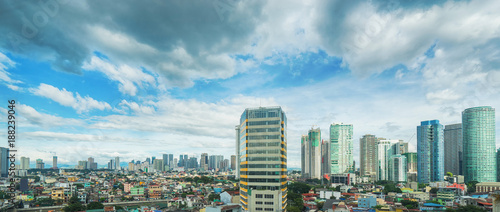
138 79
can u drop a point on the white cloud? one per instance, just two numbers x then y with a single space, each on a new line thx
6 63
35 118
67 98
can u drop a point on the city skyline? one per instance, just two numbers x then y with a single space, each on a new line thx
89 87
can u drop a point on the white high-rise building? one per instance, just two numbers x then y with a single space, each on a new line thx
341 148
311 152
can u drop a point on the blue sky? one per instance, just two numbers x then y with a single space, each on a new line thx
144 79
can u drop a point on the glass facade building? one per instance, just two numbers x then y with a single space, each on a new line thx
341 148
479 161
453 149
263 166
430 151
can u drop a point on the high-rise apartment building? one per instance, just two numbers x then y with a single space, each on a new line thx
233 162
158 165
453 147
25 163
383 157
325 158
479 161
39 164
92 164
263 172
341 148
111 164
4 162
368 155
430 151
397 168
204 161
117 163
312 154
304 155
54 162
165 159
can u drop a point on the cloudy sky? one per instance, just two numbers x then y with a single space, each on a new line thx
135 79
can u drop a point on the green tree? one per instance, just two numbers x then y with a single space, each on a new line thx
409 204
74 205
299 187
292 209
433 190
471 186
95 205
449 174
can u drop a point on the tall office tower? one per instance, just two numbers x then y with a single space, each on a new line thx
383 156
4 162
314 139
117 163
304 155
25 163
341 148
226 164
237 146
453 148
325 158
91 163
165 159
204 162
39 164
193 163
211 162
411 161
185 160
174 164
170 159
153 159
82 164
479 163
54 162
131 166
111 164
158 165
181 161
148 160
233 162
397 168
263 183
368 155
430 151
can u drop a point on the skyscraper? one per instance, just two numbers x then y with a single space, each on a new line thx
430 154
117 163
204 162
453 147
383 157
411 161
170 159
238 160
312 154
397 168
4 162
325 158
368 155
479 162
341 148
263 146
165 160
54 162
304 155
39 164
92 164
25 163
233 162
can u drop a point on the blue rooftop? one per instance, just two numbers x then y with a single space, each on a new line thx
432 205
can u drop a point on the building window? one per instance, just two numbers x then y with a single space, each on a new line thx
258 196
269 203
258 209
268 209
258 203
269 196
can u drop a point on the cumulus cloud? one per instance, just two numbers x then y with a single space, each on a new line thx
67 98
35 118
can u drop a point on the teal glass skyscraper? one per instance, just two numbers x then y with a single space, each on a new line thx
479 160
430 151
341 148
